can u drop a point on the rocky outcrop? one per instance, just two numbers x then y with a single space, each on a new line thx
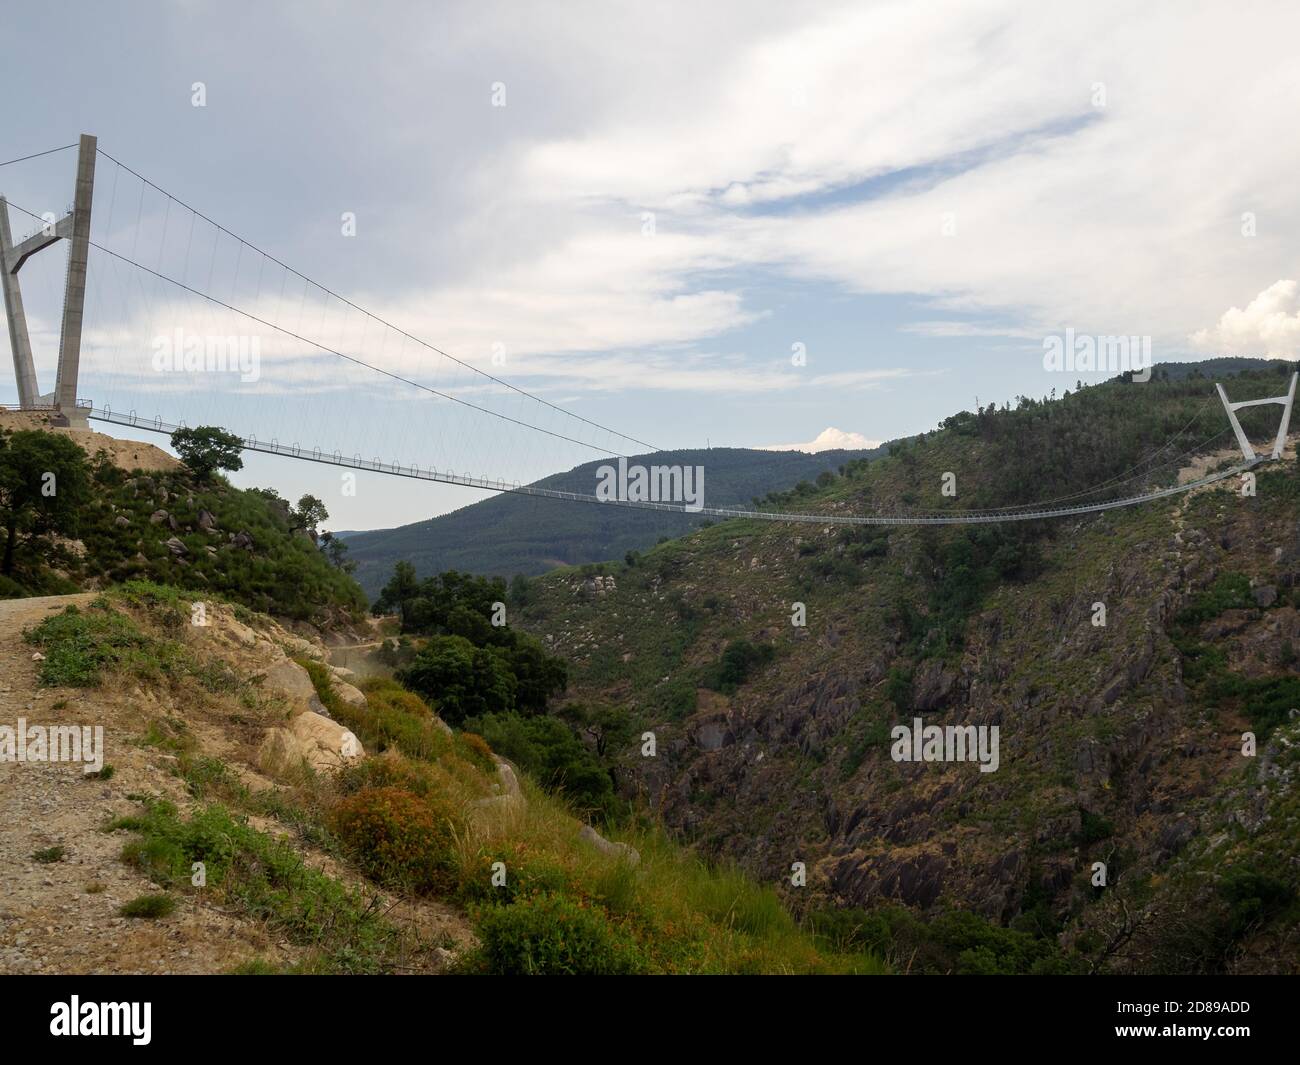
622 851
291 680
311 740
509 796
351 695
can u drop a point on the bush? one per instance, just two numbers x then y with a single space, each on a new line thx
738 663
79 645
150 906
461 678
1253 899
549 752
551 935
399 838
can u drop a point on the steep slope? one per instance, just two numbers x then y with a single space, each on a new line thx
254 812
143 515
510 534
1120 743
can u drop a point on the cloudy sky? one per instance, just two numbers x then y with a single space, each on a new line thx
742 223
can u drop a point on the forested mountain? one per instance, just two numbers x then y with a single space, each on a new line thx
1141 667
510 534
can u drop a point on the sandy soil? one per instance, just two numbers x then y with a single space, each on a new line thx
126 454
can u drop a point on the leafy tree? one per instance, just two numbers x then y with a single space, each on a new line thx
208 449
604 725
738 662
336 551
395 597
460 679
538 675
308 515
43 488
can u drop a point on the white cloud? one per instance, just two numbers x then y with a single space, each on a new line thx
829 439
1269 326
1104 218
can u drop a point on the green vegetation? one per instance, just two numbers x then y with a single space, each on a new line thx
1265 701
149 906
250 870
207 449
82 647
195 533
955 942
79 645
548 935
400 839
50 854
549 752
472 662
43 490
1230 591
738 663
402 817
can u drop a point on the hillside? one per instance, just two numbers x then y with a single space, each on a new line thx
1121 728
510 534
118 510
253 811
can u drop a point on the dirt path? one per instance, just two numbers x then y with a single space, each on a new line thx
49 920
62 916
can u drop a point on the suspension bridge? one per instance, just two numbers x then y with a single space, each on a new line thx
161 312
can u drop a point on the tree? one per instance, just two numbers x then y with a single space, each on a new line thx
207 449
606 726
336 551
309 513
43 488
460 679
395 596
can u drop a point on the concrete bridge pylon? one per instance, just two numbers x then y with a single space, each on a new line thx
73 227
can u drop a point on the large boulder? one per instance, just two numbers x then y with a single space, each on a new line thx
291 680
298 646
509 795
350 694
310 739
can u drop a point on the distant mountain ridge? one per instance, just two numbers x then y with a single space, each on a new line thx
510 534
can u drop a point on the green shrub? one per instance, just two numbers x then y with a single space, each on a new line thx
1093 828
262 877
79 645
399 838
738 663
551 935
1231 591
149 906
1253 899
1266 701
548 751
